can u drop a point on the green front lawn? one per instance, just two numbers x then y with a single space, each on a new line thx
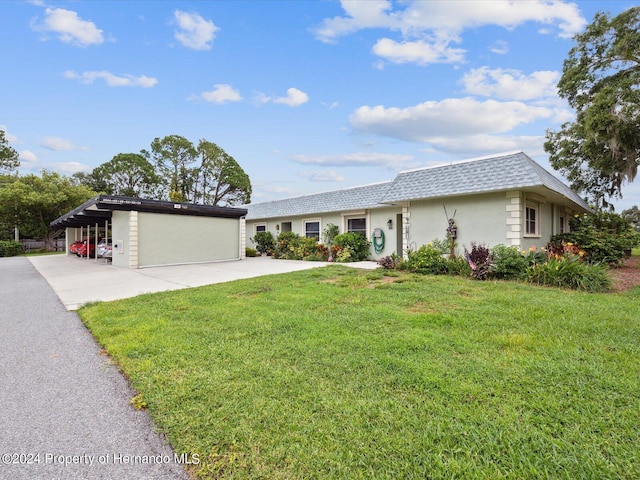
341 373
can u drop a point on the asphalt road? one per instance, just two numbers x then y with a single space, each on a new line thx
64 409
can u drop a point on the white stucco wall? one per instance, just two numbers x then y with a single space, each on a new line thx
172 239
120 237
479 218
376 218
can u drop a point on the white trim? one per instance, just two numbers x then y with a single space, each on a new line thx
535 207
312 220
363 215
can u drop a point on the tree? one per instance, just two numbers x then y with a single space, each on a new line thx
173 157
600 150
221 180
8 155
31 202
90 181
632 215
127 174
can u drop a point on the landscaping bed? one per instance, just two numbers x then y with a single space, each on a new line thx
626 276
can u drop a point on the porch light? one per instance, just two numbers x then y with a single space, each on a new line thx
390 224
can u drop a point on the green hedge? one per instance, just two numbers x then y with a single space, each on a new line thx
9 248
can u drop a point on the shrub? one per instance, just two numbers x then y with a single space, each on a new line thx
605 237
305 248
9 248
569 272
286 244
345 254
426 260
251 252
390 262
357 244
479 260
458 266
264 242
508 262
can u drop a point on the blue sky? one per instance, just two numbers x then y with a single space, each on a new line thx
307 96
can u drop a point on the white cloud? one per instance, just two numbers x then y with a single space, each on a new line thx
68 167
28 157
359 159
294 98
450 117
112 80
9 137
70 28
60 144
322 176
473 145
221 93
331 105
511 84
194 31
360 15
500 47
427 28
420 52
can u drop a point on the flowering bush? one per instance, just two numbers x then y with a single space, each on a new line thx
358 246
426 260
604 237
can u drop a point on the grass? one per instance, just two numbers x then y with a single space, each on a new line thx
37 253
341 373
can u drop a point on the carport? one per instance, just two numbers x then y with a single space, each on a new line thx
147 233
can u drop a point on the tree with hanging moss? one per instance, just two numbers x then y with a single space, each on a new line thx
600 150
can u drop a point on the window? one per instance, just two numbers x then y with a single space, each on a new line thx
261 227
312 229
562 224
286 226
532 219
357 225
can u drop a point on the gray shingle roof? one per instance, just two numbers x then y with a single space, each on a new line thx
498 173
355 198
503 172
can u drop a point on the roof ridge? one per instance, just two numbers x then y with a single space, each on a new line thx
323 192
467 160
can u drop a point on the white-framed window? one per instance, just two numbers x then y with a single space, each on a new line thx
312 228
261 227
532 219
562 225
357 225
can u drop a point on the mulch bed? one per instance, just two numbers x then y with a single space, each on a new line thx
627 276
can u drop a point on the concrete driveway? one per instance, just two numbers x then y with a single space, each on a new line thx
77 281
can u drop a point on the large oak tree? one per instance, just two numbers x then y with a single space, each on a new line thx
600 150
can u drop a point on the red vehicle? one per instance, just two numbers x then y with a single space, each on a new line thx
89 245
73 248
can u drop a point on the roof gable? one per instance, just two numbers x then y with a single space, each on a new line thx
488 174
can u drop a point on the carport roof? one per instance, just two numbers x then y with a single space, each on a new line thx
101 208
